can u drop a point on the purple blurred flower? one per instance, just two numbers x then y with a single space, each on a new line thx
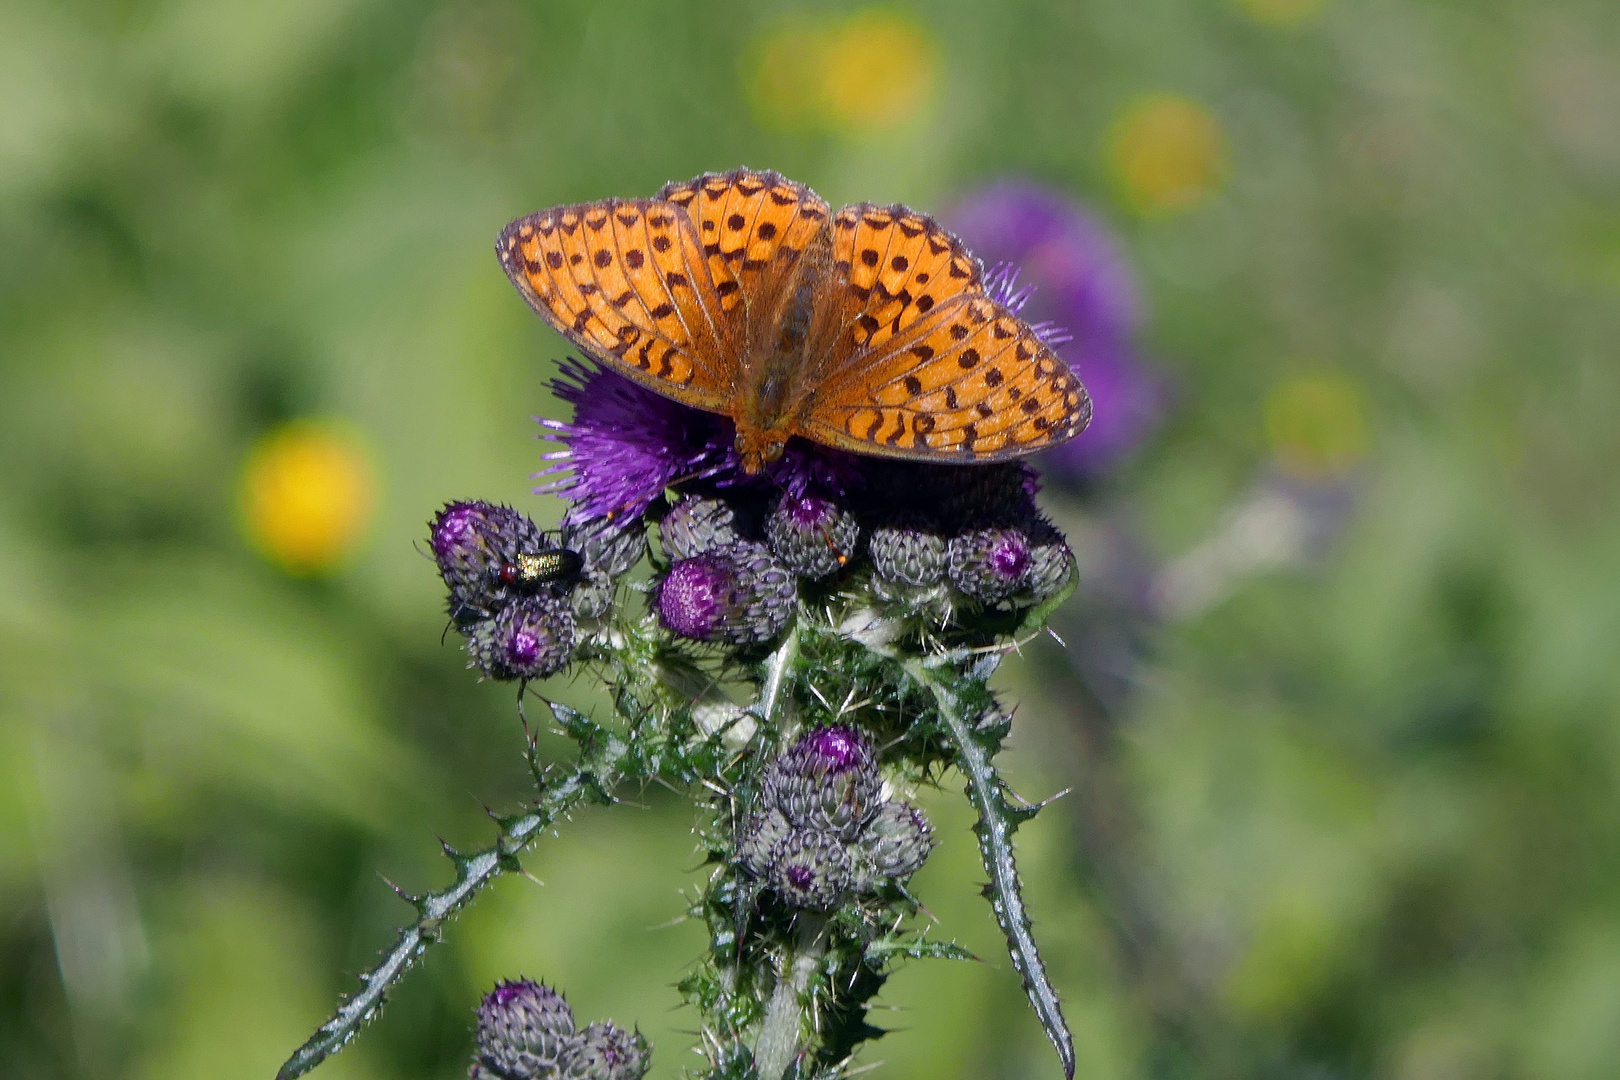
626 444
1074 278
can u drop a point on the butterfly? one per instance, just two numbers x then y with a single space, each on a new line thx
743 294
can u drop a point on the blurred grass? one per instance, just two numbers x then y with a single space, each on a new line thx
1360 822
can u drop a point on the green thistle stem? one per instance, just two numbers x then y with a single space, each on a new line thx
995 827
780 1032
592 779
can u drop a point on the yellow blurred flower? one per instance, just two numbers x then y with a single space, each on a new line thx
1167 152
307 495
1317 424
782 75
1281 12
867 73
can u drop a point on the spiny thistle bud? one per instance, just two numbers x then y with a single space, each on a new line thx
471 541
606 546
605 1051
828 780
811 870
529 639
898 840
1050 561
738 594
758 838
697 525
593 596
908 553
524 1029
988 564
812 535
489 555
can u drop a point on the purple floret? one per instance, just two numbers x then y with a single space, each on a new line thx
627 443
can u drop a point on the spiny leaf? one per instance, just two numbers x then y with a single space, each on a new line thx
995 828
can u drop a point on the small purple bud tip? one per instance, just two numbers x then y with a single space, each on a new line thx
696 597
523 650
507 992
1010 556
810 512
836 749
800 876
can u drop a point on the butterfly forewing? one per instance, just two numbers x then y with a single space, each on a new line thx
754 227
893 266
626 280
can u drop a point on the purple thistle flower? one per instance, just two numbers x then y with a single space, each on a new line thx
627 443
738 594
1077 279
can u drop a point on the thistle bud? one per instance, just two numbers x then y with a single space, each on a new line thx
531 638
812 535
593 595
908 553
605 1051
738 594
471 542
524 1028
491 555
1050 562
606 547
988 564
697 525
897 840
811 870
758 838
827 781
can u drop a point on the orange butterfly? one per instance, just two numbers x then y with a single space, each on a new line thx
742 294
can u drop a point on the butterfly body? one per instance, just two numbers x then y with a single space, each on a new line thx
743 294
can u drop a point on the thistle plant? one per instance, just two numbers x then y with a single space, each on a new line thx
806 648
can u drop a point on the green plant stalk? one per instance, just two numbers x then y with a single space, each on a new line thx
591 779
779 1034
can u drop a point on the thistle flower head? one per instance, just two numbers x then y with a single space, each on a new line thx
898 840
605 1051
908 552
738 594
524 1028
698 524
812 535
811 870
473 543
626 444
989 564
827 781
530 638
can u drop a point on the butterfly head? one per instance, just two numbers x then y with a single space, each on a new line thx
759 448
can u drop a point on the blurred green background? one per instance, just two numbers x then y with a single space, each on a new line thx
1347 812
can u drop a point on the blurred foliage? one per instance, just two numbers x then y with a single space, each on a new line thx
1354 821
